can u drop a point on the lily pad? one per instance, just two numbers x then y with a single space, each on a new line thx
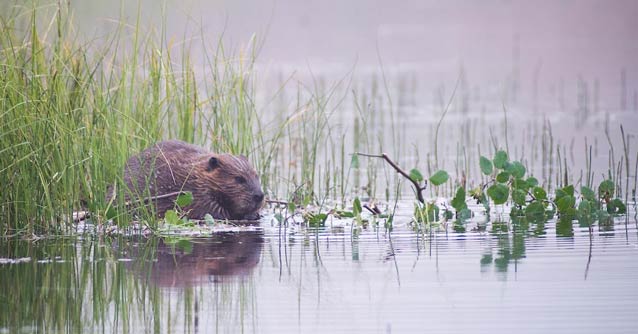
439 178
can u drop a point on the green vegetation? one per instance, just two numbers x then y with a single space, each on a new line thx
508 183
71 114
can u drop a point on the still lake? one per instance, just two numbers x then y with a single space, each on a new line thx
266 279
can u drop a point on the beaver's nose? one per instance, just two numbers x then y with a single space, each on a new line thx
258 197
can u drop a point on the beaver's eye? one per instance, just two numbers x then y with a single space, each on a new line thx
212 163
240 179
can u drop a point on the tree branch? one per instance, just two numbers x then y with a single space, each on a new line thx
417 187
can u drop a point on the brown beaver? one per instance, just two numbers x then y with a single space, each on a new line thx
223 185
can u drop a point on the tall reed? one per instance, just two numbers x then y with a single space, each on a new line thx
72 113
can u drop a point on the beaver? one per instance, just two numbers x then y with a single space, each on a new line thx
223 185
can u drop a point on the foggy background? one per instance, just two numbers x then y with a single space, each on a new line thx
534 47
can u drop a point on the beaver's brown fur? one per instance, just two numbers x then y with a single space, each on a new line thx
223 185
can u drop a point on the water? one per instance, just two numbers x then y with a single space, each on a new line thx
264 279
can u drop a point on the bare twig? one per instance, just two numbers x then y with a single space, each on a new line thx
372 208
272 201
418 188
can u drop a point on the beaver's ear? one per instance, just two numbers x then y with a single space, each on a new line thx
212 163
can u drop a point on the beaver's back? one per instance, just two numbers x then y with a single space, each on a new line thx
162 168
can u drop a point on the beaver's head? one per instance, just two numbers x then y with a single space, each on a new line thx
233 183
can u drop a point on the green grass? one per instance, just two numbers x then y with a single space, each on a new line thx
71 114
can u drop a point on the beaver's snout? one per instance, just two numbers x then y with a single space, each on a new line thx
259 197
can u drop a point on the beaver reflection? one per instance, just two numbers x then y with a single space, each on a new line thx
201 260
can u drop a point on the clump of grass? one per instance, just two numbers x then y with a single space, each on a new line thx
71 113
45 89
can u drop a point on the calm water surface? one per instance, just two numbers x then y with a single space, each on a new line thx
265 279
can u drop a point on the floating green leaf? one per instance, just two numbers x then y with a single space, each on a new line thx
565 203
184 199
171 217
532 181
515 212
584 208
458 202
539 193
317 220
486 165
516 169
416 175
565 191
500 159
560 193
616 207
507 165
520 184
568 190
432 212
519 196
439 178
498 193
606 189
588 194
356 206
503 177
